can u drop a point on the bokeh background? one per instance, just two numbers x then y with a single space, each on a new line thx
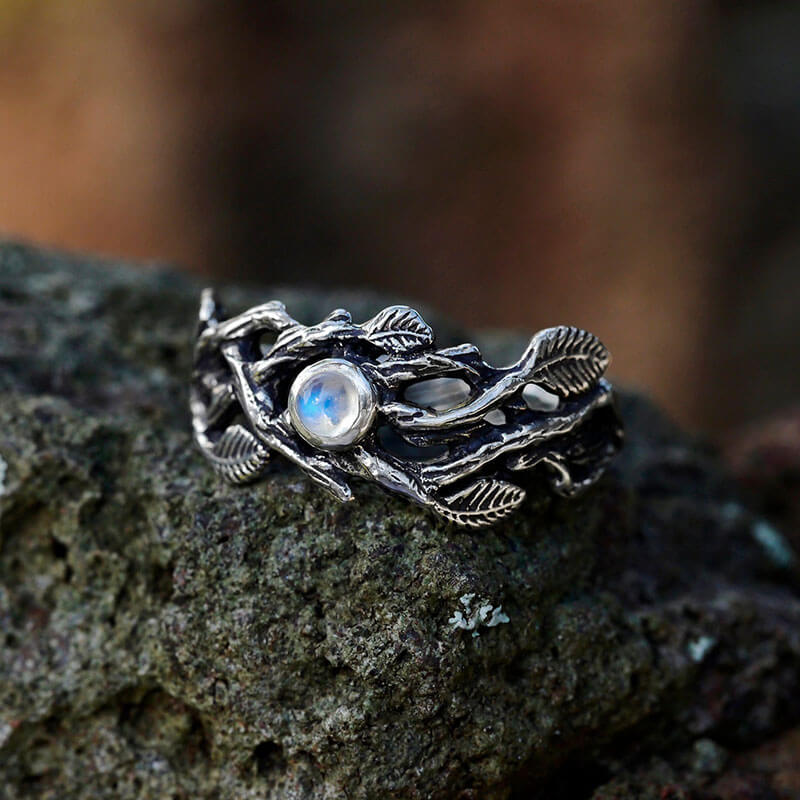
630 166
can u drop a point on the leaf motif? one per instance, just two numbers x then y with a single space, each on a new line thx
398 328
221 397
238 455
568 360
482 503
442 362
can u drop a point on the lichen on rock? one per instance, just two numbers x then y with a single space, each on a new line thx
165 634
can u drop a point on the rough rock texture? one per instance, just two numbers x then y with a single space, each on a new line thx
167 635
766 461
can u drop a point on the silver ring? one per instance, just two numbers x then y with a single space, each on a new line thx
379 401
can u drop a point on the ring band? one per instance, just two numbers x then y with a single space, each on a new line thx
378 401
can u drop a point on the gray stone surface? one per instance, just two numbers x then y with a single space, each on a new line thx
167 635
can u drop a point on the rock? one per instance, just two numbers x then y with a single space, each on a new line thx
765 459
770 771
168 635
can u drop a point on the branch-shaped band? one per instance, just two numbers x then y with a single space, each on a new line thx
377 400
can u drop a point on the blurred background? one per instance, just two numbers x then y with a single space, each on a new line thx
629 166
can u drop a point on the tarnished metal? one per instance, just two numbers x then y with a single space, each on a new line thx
440 426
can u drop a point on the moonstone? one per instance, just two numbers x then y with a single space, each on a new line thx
331 403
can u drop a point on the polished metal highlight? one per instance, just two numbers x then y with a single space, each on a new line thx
378 401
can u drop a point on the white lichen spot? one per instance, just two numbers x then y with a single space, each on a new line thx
775 546
3 471
771 540
485 614
700 647
498 618
6 729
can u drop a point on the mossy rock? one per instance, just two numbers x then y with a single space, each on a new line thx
168 635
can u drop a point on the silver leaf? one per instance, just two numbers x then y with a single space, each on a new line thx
568 360
398 328
238 455
482 503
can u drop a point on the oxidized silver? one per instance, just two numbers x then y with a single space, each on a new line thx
378 401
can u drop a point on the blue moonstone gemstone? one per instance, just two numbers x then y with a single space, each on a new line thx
328 405
331 403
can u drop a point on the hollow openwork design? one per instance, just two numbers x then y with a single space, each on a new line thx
379 401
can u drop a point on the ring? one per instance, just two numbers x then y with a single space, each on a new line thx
379 401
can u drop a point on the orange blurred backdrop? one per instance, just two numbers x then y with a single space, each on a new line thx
627 166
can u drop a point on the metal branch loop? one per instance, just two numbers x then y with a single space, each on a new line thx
459 461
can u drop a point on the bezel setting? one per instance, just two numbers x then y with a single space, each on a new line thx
363 396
